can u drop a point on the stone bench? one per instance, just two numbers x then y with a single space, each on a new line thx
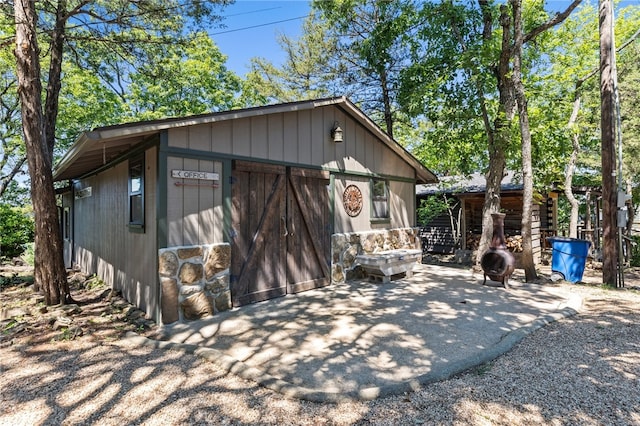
387 265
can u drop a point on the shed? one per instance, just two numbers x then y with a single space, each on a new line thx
190 216
461 228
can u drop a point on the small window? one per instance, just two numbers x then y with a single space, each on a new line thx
379 199
136 192
66 224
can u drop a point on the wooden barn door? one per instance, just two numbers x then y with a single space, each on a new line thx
280 238
308 229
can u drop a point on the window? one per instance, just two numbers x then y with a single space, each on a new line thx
136 192
379 199
66 223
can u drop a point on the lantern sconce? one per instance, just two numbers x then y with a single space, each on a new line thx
336 132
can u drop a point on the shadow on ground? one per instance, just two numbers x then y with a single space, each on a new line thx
364 339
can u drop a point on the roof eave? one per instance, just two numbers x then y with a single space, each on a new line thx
423 175
76 150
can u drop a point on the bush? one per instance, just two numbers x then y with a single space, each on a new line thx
16 230
432 207
29 255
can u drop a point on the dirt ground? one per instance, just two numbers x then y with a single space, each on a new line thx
100 314
69 365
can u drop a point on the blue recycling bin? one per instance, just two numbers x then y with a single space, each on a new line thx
569 257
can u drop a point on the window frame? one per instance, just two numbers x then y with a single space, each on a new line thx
376 198
136 223
66 223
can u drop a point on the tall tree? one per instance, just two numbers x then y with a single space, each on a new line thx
474 45
528 263
310 69
468 50
76 27
182 79
572 56
575 66
373 46
629 80
608 127
50 271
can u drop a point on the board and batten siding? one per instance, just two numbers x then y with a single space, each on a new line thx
298 137
195 213
302 138
401 206
104 244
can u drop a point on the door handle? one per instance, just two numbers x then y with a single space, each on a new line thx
284 223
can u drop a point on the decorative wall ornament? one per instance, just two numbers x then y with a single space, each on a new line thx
352 200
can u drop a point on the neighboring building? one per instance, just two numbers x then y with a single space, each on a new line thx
190 216
444 235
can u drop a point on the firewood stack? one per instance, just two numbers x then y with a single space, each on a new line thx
514 243
473 241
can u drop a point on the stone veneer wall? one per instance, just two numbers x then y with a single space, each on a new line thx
345 248
194 281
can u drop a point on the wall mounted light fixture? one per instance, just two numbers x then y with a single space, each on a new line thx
336 132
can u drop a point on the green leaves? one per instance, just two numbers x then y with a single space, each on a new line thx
309 71
182 80
122 60
16 230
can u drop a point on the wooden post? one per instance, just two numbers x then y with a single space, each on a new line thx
607 126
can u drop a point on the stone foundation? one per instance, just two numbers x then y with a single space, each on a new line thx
194 281
345 248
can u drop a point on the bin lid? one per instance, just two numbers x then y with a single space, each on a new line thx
567 240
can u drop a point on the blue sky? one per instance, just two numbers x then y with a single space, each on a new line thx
251 28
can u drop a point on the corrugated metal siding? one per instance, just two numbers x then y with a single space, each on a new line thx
103 243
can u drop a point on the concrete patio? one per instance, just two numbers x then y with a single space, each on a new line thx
364 340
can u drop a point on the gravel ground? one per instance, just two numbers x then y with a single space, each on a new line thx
581 370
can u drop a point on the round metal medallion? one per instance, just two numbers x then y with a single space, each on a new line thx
352 200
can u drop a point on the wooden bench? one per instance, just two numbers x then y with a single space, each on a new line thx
387 265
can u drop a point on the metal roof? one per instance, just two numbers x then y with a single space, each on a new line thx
99 146
476 183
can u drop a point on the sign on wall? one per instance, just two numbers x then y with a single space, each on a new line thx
209 178
189 174
83 193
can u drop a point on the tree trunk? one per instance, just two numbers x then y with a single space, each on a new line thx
607 129
492 193
386 101
588 223
629 230
568 181
499 138
453 221
54 81
528 263
50 273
